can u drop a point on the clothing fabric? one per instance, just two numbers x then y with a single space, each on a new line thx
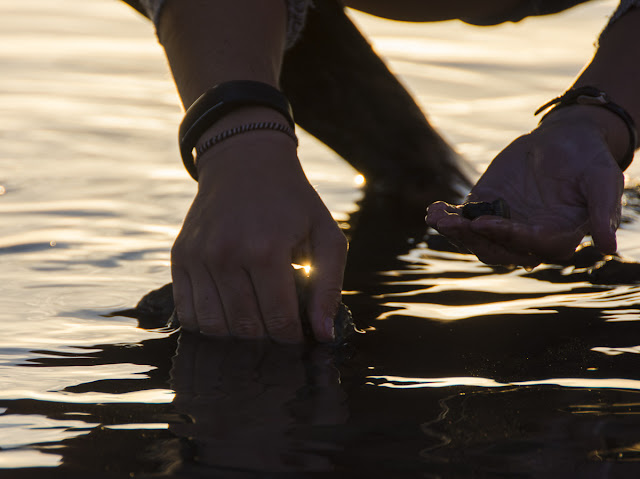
624 7
525 8
296 15
152 8
297 12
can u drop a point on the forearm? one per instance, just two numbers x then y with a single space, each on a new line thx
208 42
615 69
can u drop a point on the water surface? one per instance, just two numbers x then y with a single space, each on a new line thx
464 370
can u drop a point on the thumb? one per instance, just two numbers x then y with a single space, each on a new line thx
329 255
603 190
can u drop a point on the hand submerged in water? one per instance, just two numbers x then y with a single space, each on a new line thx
254 214
561 182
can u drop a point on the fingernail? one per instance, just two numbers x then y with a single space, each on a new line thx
329 328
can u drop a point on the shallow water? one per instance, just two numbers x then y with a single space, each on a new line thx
464 370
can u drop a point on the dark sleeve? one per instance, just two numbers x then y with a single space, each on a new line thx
526 8
138 6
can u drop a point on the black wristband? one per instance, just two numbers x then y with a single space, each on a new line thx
219 101
589 95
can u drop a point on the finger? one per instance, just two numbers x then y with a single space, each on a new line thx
517 237
325 292
183 299
208 306
276 291
239 303
437 211
486 249
537 240
603 190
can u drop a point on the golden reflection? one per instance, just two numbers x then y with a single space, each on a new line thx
442 312
618 454
137 426
398 382
359 180
545 304
617 351
146 396
14 459
619 409
305 267
616 316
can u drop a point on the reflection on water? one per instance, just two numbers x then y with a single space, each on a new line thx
464 370
274 401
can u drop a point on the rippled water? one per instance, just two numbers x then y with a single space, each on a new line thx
464 370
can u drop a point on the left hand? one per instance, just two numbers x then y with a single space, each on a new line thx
561 182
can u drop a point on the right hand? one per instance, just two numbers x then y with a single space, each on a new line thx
255 213
561 182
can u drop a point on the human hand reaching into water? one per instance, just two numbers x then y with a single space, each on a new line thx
254 214
561 182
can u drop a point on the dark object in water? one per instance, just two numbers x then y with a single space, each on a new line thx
588 264
498 207
342 323
615 270
157 309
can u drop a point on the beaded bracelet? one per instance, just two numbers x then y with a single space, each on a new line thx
218 102
589 95
262 125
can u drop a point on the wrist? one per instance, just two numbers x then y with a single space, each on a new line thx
601 121
219 102
260 155
241 116
590 96
244 130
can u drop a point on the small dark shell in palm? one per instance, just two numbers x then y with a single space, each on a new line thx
474 210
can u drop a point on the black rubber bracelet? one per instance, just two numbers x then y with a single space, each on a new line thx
589 95
219 101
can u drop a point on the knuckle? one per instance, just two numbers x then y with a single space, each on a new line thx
186 321
283 328
246 327
219 253
177 252
213 326
261 253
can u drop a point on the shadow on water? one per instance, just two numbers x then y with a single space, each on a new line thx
448 380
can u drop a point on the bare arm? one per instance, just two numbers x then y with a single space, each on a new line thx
255 212
562 180
209 42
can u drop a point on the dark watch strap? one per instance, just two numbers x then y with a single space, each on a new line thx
219 101
589 95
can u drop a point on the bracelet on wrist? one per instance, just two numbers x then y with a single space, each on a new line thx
589 95
231 132
221 100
